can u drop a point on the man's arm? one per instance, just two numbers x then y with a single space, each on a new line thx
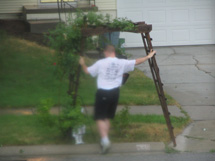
143 59
83 65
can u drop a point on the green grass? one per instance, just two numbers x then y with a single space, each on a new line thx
28 130
212 151
27 76
159 119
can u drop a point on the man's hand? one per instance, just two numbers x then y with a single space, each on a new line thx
81 61
151 54
141 60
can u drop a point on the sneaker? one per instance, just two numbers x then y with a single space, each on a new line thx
105 147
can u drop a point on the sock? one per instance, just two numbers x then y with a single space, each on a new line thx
105 140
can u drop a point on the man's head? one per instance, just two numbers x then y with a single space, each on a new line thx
109 51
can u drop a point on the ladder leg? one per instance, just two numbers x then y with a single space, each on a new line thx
159 86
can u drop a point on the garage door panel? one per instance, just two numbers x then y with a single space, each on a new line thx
203 14
180 35
177 2
202 2
134 16
154 2
156 17
131 42
179 16
203 34
130 4
175 22
159 36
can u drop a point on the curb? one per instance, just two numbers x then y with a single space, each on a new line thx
79 149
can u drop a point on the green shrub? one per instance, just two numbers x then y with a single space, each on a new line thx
121 121
68 119
43 112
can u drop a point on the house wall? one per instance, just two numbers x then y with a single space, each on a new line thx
12 9
107 6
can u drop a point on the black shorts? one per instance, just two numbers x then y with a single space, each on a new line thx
106 103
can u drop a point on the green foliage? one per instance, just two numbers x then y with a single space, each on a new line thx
67 38
69 118
122 23
212 151
122 121
43 112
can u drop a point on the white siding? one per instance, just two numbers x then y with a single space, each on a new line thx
15 6
107 7
106 4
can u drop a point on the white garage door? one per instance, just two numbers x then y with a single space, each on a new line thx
174 22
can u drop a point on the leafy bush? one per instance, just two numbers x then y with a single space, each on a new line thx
121 121
68 119
43 112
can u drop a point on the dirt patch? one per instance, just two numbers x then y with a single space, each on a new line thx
19 28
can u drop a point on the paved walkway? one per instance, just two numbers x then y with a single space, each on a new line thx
85 149
188 74
145 110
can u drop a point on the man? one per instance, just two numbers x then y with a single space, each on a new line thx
109 72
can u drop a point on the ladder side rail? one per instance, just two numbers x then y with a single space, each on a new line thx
160 88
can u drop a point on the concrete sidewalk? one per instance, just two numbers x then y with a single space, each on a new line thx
85 149
144 110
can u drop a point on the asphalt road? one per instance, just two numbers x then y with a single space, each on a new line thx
123 157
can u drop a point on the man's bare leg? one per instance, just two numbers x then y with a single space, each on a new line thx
103 128
107 121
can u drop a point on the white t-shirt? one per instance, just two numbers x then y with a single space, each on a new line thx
109 71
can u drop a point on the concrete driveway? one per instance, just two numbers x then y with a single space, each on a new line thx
188 74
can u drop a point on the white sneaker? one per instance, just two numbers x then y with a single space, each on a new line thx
105 147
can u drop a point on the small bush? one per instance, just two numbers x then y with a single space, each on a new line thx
43 111
121 121
68 119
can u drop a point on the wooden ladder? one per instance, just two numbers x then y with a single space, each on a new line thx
158 84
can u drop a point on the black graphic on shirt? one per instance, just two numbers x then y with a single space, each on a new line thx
112 71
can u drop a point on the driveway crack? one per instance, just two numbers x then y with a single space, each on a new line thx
170 55
197 66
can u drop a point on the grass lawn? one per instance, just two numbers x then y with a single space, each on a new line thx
27 76
27 130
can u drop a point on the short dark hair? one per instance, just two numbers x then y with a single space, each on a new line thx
110 48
